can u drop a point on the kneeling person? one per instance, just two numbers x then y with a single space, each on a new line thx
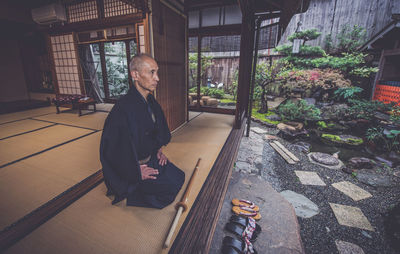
134 133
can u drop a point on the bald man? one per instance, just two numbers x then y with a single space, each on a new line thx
134 166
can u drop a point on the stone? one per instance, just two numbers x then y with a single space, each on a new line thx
351 216
361 162
348 170
387 162
376 180
325 159
270 137
310 101
364 233
242 166
395 157
348 248
258 130
381 116
290 126
352 190
342 139
302 146
309 178
303 207
274 117
396 173
333 112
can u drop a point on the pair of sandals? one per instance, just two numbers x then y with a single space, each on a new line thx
247 229
246 208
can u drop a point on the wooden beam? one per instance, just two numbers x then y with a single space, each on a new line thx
216 30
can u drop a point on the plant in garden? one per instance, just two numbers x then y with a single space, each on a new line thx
395 114
298 111
347 93
306 35
350 39
206 62
388 139
265 75
212 92
365 109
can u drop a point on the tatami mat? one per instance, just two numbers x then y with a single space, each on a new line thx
20 146
93 225
93 121
104 106
30 183
26 114
18 127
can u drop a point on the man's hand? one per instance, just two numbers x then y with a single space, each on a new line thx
162 158
147 172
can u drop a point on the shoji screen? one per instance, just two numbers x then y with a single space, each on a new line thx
141 38
66 64
82 11
117 8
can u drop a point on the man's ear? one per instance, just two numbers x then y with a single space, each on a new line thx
134 75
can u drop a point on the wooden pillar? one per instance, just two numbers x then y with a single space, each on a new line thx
246 55
104 70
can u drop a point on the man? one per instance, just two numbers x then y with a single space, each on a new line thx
134 166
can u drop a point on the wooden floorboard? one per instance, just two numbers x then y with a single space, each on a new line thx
197 232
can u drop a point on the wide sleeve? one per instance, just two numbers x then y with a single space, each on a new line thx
118 156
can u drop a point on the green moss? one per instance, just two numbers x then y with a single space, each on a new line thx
338 139
227 101
262 118
321 125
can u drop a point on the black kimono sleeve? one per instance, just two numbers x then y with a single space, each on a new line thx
118 155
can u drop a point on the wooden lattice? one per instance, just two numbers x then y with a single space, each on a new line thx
117 8
66 65
141 38
82 11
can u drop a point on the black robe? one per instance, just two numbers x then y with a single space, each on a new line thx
130 135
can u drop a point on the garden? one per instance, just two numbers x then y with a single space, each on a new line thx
325 98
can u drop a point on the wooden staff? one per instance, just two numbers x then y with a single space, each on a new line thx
181 206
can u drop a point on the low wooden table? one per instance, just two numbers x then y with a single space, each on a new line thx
84 104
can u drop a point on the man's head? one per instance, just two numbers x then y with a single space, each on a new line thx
144 70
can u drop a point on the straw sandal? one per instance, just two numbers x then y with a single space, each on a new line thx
245 203
246 212
251 228
234 246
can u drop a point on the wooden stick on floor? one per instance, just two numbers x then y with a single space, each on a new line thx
181 206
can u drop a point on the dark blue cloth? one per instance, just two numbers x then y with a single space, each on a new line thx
130 135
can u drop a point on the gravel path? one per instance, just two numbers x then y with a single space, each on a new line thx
320 232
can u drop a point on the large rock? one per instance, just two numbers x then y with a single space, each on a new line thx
291 130
324 158
348 248
303 207
302 146
371 178
333 112
348 140
361 162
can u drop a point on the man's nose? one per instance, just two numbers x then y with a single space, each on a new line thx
156 77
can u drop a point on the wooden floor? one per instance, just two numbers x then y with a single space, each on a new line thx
36 174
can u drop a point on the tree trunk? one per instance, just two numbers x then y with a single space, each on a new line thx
264 106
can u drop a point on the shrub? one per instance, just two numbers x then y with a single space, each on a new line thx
365 109
347 93
387 139
213 92
311 81
298 111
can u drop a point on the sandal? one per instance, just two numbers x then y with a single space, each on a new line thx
252 229
247 212
241 231
245 203
234 246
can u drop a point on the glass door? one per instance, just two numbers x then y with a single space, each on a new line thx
116 68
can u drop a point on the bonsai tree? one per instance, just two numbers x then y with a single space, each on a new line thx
265 75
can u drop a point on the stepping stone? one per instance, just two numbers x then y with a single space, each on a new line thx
348 248
303 207
351 216
309 178
325 160
352 190
258 130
